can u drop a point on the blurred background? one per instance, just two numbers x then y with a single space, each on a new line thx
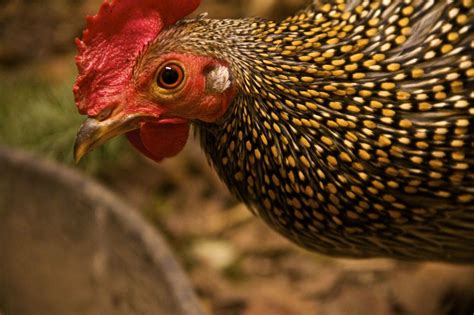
235 263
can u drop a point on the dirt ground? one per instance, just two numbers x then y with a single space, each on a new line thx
239 266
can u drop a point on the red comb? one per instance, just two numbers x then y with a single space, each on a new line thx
112 41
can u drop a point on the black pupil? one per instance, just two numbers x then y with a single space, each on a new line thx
169 76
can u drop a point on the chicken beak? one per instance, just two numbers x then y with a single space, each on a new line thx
93 133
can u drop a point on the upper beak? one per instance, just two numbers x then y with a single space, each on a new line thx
93 133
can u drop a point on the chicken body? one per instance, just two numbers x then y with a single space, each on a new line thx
352 127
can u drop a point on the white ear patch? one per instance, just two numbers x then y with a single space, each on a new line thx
218 79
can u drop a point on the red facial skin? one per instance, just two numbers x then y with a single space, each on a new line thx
166 135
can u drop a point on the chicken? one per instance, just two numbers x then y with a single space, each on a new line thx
347 127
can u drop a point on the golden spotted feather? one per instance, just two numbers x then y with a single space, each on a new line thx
352 132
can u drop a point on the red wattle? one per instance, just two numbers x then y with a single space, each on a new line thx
159 140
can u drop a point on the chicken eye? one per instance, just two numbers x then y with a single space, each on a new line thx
170 76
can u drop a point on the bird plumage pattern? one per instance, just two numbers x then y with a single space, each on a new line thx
352 127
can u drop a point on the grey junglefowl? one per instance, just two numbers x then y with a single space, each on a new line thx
347 127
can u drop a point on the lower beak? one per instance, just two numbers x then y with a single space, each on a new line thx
93 133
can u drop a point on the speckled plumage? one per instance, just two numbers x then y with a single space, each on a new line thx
352 132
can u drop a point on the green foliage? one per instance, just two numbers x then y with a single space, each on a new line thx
40 117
